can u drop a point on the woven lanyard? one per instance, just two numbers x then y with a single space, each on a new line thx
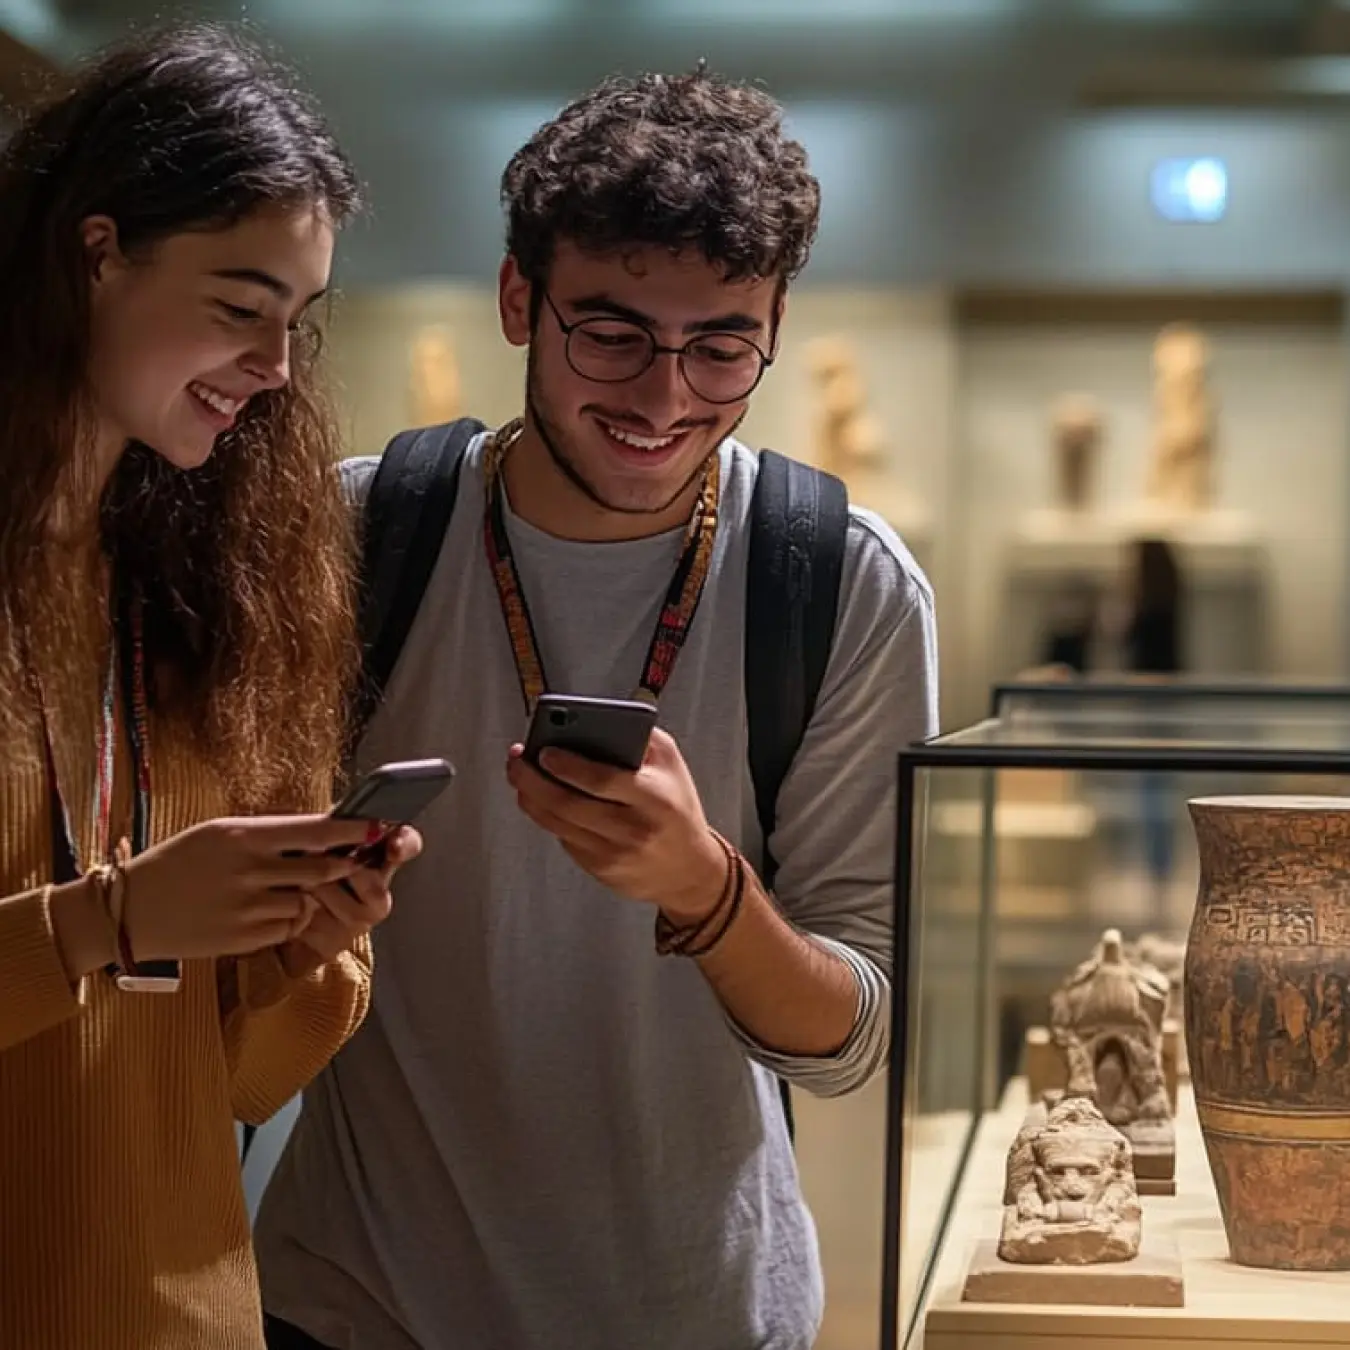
126 667
677 610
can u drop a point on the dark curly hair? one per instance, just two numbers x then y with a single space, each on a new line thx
682 161
247 565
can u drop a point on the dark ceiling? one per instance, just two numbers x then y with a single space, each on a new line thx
373 54
432 96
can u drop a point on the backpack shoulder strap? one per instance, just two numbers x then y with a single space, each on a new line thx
407 513
798 531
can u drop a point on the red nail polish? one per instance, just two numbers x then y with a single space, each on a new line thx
374 831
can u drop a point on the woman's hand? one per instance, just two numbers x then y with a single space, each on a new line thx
346 910
232 886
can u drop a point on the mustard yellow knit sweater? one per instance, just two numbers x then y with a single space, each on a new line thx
122 1219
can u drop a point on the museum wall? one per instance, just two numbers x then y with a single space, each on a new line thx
918 196
371 341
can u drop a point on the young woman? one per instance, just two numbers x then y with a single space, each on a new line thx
183 933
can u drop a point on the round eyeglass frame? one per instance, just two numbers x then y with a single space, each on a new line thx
655 349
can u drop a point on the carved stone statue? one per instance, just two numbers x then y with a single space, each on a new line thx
1181 469
435 387
1107 1018
1076 425
1070 1197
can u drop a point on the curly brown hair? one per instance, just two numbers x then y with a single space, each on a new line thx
684 161
247 565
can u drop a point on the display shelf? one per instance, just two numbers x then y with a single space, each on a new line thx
1212 544
1226 1305
1222 557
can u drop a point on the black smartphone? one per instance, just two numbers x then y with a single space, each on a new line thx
395 794
612 731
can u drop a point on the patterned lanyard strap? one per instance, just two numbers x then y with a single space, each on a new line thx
677 609
126 666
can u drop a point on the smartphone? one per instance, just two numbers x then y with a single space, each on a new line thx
612 731
395 794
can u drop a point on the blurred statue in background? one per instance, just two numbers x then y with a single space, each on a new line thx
435 376
848 440
1076 424
1181 472
847 436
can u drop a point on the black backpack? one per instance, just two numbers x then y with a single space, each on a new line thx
798 524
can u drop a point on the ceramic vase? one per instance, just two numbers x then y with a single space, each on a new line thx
1268 1024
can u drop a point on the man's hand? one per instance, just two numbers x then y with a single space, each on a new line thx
642 834
341 913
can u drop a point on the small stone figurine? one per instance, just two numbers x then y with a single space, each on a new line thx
1108 1020
1071 1197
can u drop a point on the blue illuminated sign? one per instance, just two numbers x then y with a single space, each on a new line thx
1190 190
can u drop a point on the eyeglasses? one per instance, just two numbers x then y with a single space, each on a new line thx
718 367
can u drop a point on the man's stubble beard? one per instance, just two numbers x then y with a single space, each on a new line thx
555 442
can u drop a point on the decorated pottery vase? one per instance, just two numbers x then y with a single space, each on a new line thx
1267 1007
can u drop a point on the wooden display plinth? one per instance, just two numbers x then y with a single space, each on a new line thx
1227 1305
1152 1280
1155 1171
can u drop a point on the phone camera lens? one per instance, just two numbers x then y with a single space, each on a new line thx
559 717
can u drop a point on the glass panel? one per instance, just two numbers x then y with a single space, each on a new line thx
1311 715
1162 726
943 1091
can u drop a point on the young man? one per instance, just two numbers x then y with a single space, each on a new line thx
548 1133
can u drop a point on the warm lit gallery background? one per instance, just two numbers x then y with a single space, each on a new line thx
1019 196
989 242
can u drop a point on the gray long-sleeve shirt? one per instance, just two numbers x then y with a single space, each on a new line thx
545 1134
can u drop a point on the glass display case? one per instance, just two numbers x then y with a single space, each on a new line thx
1020 841
1244 705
